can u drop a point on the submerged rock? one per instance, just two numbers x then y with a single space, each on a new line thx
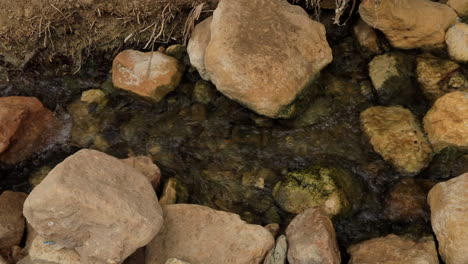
151 75
333 189
446 123
457 42
406 28
199 234
396 135
278 254
12 222
204 92
311 238
285 48
27 127
448 163
92 202
146 166
95 96
367 37
449 218
394 249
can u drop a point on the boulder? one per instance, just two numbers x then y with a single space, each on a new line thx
396 135
438 77
446 123
97 205
394 249
146 166
449 218
199 234
367 37
461 6
196 47
333 189
27 128
311 239
278 254
12 223
457 42
151 74
285 49
406 28
392 77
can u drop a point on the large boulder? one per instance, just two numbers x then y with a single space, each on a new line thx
405 22
449 218
199 234
97 205
446 123
311 239
394 249
27 127
263 54
396 135
151 74
12 223
457 42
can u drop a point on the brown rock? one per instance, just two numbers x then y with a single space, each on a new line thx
405 27
11 220
446 123
198 234
311 239
196 47
396 135
27 127
44 250
151 74
457 42
461 6
367 37
146 166
393 249
449 218
97 205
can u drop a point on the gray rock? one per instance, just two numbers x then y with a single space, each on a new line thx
278 254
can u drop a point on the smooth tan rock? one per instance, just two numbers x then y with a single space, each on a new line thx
396 135
96 96
196 47
278 254
199 234
264 54
311 239
457 42
438 77
150 74
97 205
146 166
446 123
44 250
366 37
27 128
461 6
449 218
406 23
393 249
12 223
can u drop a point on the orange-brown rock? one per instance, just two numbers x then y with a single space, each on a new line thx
406 23
27 127
394 249
150 74
449 218
12 222
146 166
446 123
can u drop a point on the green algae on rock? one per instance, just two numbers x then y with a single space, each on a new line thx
333 189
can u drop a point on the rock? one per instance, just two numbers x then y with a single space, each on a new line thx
446 123
396 135
392 77
333 189
204 92
199 234
449 218
286 51
311 238
461 6
44 250
146 166
367 37
177 51
196 47
3 261
394 249
406 28
11 220
438 77
274 228
96 96
278 254
448 163
151 74
175 261
174 191
97 205
27 128
457 42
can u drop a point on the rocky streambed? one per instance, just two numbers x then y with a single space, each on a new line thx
269 138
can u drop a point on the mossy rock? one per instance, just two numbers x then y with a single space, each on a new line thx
334 189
